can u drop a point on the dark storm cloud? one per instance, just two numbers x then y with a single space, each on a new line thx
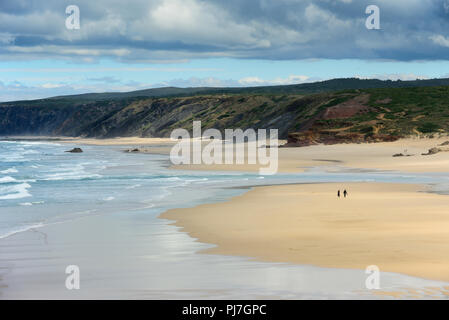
152 30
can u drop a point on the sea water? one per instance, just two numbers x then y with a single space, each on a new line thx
42 187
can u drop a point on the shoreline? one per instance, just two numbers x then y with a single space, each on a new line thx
364 156
266 224
371 156
119 141
236 210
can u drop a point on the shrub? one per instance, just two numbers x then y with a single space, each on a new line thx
428 127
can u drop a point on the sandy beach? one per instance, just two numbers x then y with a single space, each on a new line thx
357 156
397 227
301 237
361 156
137 141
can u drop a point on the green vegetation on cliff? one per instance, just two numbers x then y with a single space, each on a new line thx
352 114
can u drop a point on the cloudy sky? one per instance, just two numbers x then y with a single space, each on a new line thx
136 44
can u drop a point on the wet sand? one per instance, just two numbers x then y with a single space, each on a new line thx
397 227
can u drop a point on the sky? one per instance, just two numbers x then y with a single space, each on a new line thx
138 44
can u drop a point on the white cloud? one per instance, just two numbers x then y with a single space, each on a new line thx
197 82
75 51
192 21
6 38
142 30
395 76
440 40
256 81
446 6
103 69
327 19
51 85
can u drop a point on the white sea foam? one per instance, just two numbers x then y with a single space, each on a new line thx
10 170
197 180
149 206
17 191
133 186
12 158
69 176
28 204
21 229
55 220
108 199
30 152
170 179
37 143
7 179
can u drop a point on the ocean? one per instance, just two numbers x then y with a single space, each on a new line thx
99 209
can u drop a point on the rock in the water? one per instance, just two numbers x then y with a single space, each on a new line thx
432 151
398 155
133 150
445 143
75 150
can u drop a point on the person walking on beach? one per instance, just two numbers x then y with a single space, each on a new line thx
338 193
345 193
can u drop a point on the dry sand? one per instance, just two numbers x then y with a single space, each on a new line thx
119 141
394 226
129 141
362 156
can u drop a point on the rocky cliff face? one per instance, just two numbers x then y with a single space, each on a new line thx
317 130
369 115
146 117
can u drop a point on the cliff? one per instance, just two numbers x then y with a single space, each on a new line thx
355 115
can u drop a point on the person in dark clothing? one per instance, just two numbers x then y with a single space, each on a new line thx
338 193
345 193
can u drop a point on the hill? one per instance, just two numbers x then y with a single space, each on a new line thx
329 116
305 88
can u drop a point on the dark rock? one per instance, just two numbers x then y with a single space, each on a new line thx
133 150
446 143
75 150
432 151
398 155
312 137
